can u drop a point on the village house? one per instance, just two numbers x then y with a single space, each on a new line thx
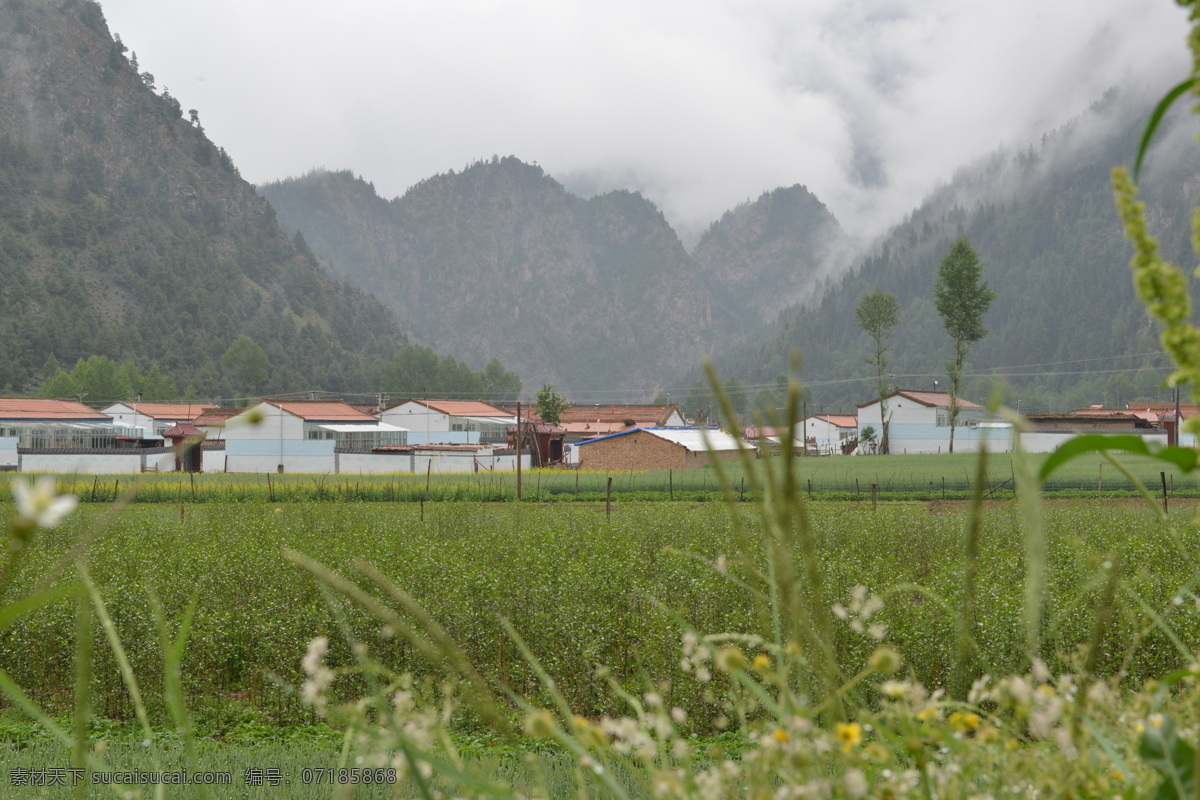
589 421
302 436
542 441
919 422
828 433
211 420
450 421
1047 431
38 435
1159 413
152 418
657 448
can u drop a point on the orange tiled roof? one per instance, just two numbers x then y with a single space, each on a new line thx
1152 411
841 420
461 408
31 408
213 416
927 398
641 414
322 410
166 410
594 428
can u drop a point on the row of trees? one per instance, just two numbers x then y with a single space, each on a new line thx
245 369
961 296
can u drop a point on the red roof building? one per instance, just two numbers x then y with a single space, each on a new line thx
30 409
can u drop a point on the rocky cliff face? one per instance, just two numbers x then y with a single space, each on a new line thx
125 232
767 255
500 261
596 295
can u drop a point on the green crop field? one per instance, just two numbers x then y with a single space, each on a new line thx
583 589
601 602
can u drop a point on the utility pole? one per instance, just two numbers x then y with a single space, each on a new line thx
518 451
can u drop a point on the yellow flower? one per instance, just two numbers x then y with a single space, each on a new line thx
849 734
929 714
762 662
780 735
964 721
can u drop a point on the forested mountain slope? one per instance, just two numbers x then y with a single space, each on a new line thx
595 295
1043 222
125 232
766 255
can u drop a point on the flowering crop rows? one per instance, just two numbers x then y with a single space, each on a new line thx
582 589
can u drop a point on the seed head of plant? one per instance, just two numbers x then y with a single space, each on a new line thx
538 724
886 660
730 659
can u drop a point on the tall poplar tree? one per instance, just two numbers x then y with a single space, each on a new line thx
962 298
878 313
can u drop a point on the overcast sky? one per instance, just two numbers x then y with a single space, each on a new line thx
698 104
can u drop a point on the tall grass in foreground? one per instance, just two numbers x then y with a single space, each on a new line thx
813 724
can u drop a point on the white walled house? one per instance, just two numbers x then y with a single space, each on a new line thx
152 418
39 435
450 421
919 422
302 436
830 431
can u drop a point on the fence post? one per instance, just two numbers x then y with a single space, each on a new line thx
1163 475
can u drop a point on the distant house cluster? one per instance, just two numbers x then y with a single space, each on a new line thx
444 436
919 422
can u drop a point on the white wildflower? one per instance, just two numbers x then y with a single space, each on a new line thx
41 503
318 676
856 783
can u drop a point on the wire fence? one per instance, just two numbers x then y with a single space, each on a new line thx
859 482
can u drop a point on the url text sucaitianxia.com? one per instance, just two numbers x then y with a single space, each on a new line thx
65 776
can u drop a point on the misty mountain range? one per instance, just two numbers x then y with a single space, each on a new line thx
594 296
599 295
125 231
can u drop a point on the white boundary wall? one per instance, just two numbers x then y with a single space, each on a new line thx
433 462
130 461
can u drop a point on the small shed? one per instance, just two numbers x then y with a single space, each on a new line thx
658 448
543 442
186 438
